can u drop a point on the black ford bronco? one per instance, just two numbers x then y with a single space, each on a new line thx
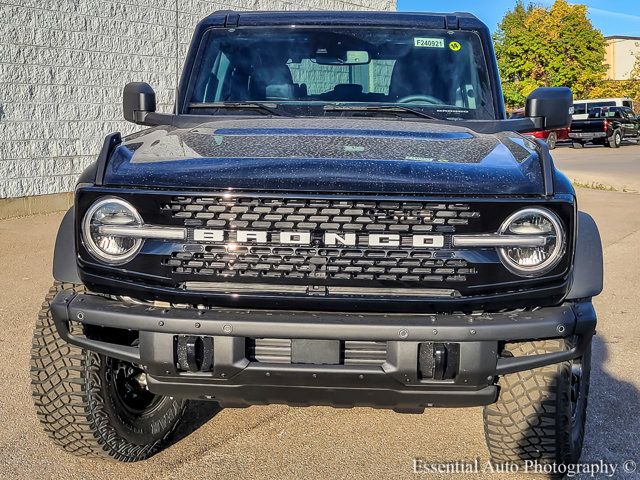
337 213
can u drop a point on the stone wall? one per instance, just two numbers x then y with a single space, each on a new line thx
63 64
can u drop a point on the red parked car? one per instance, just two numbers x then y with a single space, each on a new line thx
552 137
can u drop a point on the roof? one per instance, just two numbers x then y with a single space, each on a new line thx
611 99
451 21
622 37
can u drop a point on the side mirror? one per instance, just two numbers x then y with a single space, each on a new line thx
138 101
550 108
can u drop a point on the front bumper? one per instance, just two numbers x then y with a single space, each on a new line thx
235 380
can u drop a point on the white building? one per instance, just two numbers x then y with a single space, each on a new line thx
64 64
621 56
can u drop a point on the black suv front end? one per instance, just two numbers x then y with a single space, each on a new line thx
399 302
336 213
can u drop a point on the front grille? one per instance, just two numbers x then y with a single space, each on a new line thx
209 264
278 350
320 263
228 212
316 262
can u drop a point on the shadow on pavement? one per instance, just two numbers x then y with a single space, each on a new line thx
613 417
195 416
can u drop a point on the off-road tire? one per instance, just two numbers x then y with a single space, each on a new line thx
552 140
75 403
616 140
532 419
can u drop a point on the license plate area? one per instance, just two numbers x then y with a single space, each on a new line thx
315 352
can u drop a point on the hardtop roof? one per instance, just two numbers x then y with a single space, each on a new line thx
448 21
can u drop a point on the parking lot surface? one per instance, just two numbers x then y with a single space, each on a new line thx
605 167
283 442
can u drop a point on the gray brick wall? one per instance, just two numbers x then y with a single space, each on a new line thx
63 64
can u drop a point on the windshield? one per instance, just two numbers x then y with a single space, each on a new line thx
442 74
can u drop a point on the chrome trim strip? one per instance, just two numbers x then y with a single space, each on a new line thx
394 292
231 288
497 240
177 233
144 231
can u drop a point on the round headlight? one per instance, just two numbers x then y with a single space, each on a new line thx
538 260
105 246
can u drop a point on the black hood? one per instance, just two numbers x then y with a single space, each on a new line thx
349 155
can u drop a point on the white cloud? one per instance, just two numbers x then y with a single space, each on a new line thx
612 14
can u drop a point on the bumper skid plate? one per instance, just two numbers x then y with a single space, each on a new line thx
319 376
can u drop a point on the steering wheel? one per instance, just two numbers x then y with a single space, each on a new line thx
421 98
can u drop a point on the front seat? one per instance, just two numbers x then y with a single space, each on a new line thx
272 82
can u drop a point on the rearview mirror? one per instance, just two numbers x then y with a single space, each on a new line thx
357 57
348 57
550 108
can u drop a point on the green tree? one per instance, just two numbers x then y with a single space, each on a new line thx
557 46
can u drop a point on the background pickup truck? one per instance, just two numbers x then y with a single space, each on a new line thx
606 126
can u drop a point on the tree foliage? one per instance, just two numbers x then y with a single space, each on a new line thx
557 46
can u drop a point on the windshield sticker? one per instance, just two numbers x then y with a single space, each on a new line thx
428 42
455 46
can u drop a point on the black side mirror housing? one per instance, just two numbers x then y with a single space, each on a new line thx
550 108
138 100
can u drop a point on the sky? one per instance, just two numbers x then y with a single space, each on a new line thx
612 17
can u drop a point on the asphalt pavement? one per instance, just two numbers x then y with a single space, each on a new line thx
602 167
293 443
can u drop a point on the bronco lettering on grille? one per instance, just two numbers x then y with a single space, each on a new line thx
306 238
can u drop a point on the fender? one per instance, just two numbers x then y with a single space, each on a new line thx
65 268
588 270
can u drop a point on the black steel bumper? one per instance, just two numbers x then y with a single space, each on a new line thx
234 380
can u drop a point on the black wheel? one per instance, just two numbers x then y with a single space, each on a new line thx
616 140
552 140
540 414
92 405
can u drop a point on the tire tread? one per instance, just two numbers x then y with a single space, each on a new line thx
532 418
66 395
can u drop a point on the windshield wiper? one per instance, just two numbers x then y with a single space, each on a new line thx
393 109
261 107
